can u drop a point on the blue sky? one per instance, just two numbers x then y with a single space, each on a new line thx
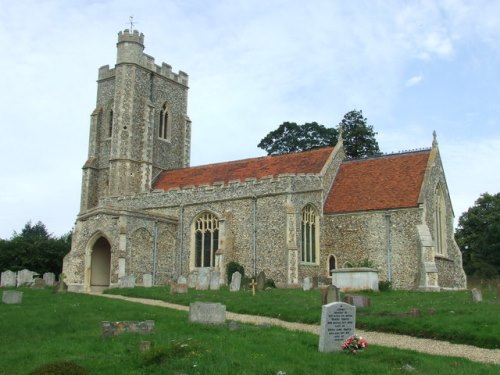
412 67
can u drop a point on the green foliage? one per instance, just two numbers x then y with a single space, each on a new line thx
290 137
365 263
359 137
478 236
34 249
175 350
60 368
231 268
385 286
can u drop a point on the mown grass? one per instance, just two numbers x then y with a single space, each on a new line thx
450 316
50 327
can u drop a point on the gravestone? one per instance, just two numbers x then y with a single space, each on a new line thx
60 286
235 282
25 278
192 280
203 279
358 300
261 281
9 279
307 285
147 280
182 280
207 313
178 288
39 283
315 282
12 297
127 281
330 294
49 278
117 328
477 296
338 321
214 280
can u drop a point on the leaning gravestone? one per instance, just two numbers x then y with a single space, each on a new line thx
12 297
147 280
207 313
235 282
203 279
192 280
215 280
261 280
9 279
25 278
338 321
307 285
49 278
127 281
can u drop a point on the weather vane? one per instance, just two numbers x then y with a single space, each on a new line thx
131 20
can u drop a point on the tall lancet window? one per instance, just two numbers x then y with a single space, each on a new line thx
206 240
110 124
164 128
440 221
310 238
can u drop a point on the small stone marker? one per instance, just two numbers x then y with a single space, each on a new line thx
178 288
182 280
330 294
477 296
9 279
253 285
147 280
207 313
127 281
117 328
214 280
358 300
307 285
192 280
203 279
12 297
49 278
235 282
261 281
338 322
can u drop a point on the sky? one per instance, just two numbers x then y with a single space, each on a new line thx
412 67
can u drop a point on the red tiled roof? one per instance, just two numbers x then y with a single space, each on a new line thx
298 162
385 182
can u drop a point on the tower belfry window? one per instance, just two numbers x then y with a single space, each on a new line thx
164 126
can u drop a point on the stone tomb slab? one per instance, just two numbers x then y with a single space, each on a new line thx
12 297
207 313
338 321
117 328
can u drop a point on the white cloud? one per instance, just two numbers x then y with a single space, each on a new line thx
415 80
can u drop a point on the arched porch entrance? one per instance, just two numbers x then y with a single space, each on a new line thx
100 262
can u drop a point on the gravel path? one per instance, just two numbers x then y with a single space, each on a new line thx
376 338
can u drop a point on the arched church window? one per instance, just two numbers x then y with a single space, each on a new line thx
310 238
164 127
206 238
440 221
110 123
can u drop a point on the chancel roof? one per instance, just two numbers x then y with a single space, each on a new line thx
385 182
311 161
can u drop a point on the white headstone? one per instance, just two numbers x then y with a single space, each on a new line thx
127 281
338 321
207 313
49 278
215 280
477 296
307 284
203 279
9 279
25 278
235 282
182 280
12 297
147 280
192 280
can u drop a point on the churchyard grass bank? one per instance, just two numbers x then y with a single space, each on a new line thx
449 316
49 327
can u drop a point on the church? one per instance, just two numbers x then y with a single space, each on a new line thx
146 212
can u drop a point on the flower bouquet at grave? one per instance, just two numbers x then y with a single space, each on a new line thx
353 344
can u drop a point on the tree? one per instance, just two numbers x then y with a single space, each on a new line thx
478 236
359 138
290 137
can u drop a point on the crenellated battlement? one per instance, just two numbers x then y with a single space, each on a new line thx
134 37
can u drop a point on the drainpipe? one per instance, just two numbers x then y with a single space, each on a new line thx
388 244
254 235
181 242
155 251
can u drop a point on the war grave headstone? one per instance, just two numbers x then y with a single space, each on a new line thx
127 281
307 285
261 281
338 320
203 279
330 294
25 278
214 280
49 278
235 282
9 279
147 280
207 313
192 280
12 297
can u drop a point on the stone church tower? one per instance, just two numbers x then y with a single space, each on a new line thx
139 127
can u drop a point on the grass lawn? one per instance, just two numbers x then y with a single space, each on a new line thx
449 316
49 327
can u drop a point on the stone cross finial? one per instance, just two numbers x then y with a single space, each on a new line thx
253 284
434 139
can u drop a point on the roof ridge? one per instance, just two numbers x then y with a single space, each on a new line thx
390 154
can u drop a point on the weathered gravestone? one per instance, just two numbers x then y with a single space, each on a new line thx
9 279
49 278
358 300
39 283
330 294
25 278
203 279
147 280
182 280
477 296
215 280
338 321
261 281
127 281
235 282
207 313
117 328
12 297
307 285
192 280
178 288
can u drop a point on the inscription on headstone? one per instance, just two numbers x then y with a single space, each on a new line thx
338 322
235 282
